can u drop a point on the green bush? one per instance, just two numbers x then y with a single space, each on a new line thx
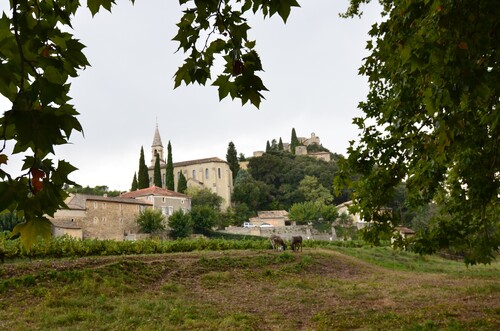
151 220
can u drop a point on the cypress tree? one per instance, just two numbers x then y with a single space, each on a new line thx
274 146
280 145
143 177
232 159
268 147
157 172
169 176
294 141
182 184
134 183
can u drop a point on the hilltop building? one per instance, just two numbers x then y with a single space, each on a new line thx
299 150
212 173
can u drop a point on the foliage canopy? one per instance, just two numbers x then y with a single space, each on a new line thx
431 120
151 220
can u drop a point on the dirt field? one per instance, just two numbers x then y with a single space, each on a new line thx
317 289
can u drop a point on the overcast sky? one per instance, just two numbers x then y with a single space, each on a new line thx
311 69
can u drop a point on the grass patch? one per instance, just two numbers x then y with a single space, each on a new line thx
406 261
250 290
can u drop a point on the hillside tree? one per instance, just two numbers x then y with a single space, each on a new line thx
182 183
157 172
143 176
232 159
204 218
96 190
169 170
294 141
134 185
253 194
280 145
268 147
204 197
312 190
151 220
180 224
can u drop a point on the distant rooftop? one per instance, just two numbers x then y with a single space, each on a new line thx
207 160
153 190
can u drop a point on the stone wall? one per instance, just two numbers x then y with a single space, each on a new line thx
285 232
109 220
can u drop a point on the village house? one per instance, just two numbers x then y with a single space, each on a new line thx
99 217
343 208
272 217
162 199
356 219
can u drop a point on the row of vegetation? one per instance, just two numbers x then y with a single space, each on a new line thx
64 247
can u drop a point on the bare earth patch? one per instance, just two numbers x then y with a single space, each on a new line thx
240 290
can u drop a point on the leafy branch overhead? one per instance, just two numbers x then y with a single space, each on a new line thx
431 119
219 28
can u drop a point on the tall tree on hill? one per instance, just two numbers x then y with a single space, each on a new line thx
268 147
274 145
182 183
157 172
169 176
143 177
135 185
294 141
232 159
280 145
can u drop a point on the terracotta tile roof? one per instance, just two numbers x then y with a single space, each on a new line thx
65 223
78 200
153 190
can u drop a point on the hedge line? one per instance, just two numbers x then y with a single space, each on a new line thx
70 247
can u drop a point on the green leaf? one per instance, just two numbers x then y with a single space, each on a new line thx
32 231
95 5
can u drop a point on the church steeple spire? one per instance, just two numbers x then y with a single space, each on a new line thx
157 148
157 138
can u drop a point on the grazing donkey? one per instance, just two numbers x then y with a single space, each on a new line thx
277 242
296 243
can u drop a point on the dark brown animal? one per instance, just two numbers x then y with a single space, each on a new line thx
296 243
277 242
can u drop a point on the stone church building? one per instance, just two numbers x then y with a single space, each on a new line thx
212 173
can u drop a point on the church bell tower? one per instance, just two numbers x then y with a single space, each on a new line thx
157 148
